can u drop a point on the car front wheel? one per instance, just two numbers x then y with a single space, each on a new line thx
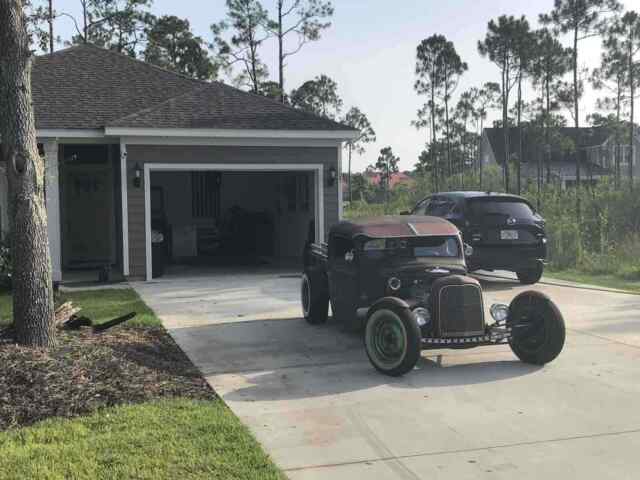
538 330
392 341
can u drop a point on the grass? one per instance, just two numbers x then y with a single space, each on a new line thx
603 280
183 439
99 305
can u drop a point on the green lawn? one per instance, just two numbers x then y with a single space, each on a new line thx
176 439
608 281
99 305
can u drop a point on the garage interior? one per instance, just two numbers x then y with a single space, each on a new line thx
224 218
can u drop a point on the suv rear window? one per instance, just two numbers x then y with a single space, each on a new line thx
507 207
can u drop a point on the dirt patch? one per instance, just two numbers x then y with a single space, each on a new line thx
88 371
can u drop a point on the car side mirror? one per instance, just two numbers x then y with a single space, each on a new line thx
468 250
349 256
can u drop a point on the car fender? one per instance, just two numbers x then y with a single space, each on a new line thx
388 302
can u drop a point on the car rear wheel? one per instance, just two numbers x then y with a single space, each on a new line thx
392 341
530 275
314 296
537 327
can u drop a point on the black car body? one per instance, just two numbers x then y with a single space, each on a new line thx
404 280
505 231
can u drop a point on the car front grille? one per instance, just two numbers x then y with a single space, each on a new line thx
460 310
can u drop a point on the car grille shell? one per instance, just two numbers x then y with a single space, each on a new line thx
458 306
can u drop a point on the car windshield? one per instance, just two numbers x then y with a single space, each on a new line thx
510 207
420 247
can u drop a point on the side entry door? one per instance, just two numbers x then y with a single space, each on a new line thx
343 278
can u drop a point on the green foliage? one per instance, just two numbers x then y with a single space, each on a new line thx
159 440
115 24
247 20
172 45
318 96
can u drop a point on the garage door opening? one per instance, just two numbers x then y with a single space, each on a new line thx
220 218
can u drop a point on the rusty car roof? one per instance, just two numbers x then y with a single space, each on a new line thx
395 226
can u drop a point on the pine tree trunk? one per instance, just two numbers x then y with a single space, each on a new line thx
632 91
349 174
281 63
434 154
576 113
505 124
33 311
50 20
518 165
617 137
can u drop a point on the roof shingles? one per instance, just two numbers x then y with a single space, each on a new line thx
87 87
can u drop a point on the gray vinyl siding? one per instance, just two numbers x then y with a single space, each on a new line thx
141 154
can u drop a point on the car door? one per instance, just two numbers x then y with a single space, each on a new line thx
343 279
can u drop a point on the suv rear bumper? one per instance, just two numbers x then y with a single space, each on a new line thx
505 258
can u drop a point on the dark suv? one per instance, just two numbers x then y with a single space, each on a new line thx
504 230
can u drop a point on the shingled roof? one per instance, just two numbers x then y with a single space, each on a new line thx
87 87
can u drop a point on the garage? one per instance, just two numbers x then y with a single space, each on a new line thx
147 166
227 216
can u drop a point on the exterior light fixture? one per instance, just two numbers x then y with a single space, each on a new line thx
137 175
331 178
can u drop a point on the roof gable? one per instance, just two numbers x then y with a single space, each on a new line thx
216 105
88 87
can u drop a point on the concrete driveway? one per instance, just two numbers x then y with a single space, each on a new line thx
310 396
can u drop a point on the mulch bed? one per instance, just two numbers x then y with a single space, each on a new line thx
87 371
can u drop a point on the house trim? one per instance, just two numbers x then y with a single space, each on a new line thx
125 208
69 133
52 198
232 142
318 169
231 133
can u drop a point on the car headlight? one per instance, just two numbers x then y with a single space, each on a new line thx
394 283
422 316
499 312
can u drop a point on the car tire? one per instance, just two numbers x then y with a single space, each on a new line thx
314 296
538 329
530 275
392 340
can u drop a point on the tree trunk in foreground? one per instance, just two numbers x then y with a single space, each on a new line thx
33 311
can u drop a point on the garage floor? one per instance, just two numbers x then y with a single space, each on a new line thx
311 397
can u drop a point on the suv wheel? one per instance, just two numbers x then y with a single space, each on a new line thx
530 275
314 296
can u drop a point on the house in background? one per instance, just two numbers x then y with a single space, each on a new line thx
135 153
594 147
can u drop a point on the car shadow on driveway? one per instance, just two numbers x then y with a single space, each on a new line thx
327 380
287 358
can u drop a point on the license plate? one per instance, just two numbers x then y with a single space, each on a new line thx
508 235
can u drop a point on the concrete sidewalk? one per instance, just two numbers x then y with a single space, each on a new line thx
312 399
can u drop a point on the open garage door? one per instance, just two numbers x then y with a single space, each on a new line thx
211 216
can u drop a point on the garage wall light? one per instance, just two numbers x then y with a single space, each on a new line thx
331 176
137 175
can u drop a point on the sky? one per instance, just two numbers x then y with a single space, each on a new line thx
370 52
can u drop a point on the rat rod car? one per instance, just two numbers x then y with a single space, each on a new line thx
404 279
